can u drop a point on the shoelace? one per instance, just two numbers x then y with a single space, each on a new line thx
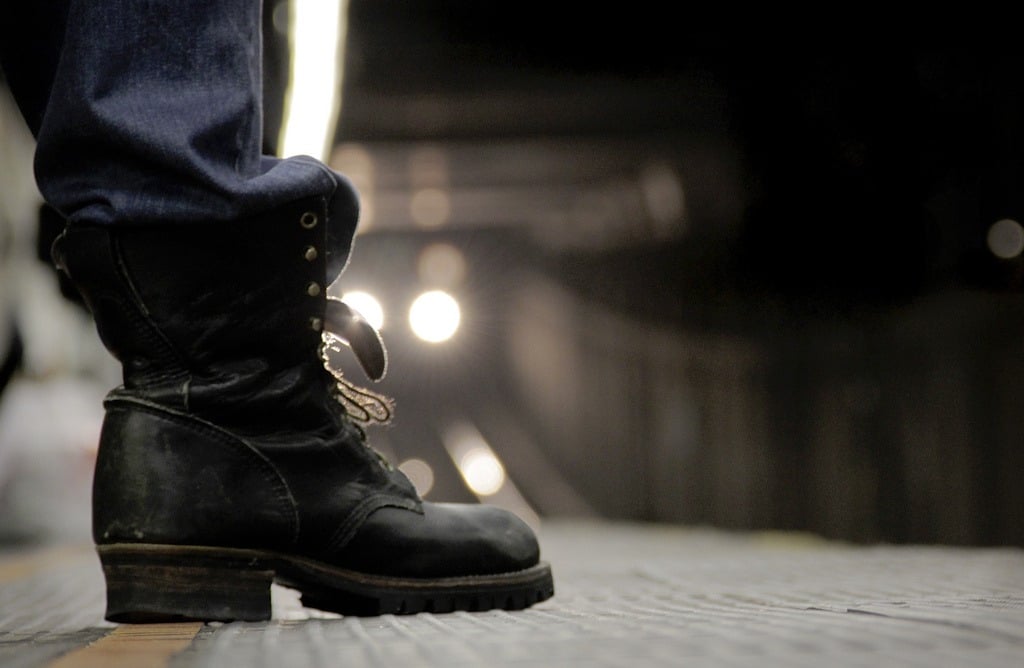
343 325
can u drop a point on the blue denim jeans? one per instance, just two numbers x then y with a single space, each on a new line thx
151 112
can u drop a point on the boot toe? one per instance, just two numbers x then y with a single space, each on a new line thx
447 540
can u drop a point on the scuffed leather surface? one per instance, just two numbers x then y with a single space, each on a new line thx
167 477
444 540
160 479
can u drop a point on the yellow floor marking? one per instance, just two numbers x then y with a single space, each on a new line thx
133 646
26 564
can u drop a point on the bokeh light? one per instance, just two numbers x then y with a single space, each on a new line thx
420 474
367 306
1006 239
441 264
435 316
482 471
430 207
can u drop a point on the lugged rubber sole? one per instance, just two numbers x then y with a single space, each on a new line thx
162 583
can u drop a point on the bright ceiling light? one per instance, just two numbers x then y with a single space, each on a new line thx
434 316
367 306
312 100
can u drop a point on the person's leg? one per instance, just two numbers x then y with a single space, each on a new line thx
228 459
153 114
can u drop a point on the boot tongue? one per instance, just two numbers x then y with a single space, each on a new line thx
348 325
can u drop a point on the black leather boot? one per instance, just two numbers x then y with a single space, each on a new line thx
227 459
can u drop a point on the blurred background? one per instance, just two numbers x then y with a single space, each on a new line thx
627 266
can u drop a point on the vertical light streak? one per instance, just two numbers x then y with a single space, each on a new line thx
316 34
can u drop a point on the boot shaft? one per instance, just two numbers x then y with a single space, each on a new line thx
221 320
228 429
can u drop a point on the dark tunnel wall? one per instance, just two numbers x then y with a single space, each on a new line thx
840 351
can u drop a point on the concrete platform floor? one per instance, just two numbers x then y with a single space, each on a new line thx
626 595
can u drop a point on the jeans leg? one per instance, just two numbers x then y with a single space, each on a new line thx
154 115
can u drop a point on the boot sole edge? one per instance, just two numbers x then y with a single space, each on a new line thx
159 583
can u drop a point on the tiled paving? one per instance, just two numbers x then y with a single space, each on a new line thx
626 595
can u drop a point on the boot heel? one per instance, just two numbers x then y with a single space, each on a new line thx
156 583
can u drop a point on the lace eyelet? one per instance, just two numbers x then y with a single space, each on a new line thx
309 220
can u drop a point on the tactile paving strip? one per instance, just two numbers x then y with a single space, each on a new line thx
626 595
